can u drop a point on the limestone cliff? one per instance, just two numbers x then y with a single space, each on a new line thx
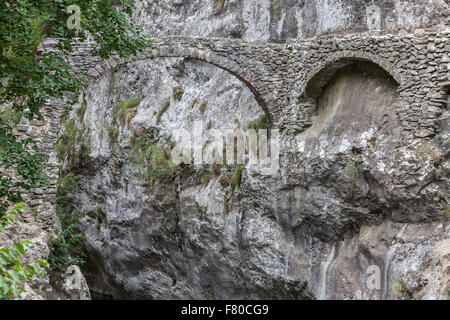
359 93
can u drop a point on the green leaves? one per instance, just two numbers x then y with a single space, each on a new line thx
16 156
67 249
30 78
13 273
10 217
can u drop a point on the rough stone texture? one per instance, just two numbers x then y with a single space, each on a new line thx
283 19
357 186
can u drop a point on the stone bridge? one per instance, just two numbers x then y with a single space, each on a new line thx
282 76
286 79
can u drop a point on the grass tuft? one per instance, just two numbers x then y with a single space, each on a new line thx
10 116
236 177
125 110
177 93
259 123
203 106
164 107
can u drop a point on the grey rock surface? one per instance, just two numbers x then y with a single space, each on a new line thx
360 96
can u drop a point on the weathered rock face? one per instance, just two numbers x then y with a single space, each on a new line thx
350 196
275 19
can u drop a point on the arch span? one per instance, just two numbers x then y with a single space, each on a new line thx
217 53
322 74
310 98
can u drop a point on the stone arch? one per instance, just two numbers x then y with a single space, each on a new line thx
218 57
323 73
320 76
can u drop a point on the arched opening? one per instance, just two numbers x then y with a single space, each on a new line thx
243 75
349 96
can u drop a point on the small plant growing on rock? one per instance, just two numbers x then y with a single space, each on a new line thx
355 163
425 151
226 208
206 178
398 288
82 110
10 116
202 210
446 209
113 133
219 4
154 160
193 103
125 110
73 145
67 249
214 172
99 213
259 123
164 107
177 93
358 162
236 177
203 106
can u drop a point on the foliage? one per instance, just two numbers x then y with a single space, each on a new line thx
73 144
446 209
10 117
125 110
154 160
13 272
67 248
11 216
203 106
29 78
236 177
259 123
15 156
164 107
177 93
